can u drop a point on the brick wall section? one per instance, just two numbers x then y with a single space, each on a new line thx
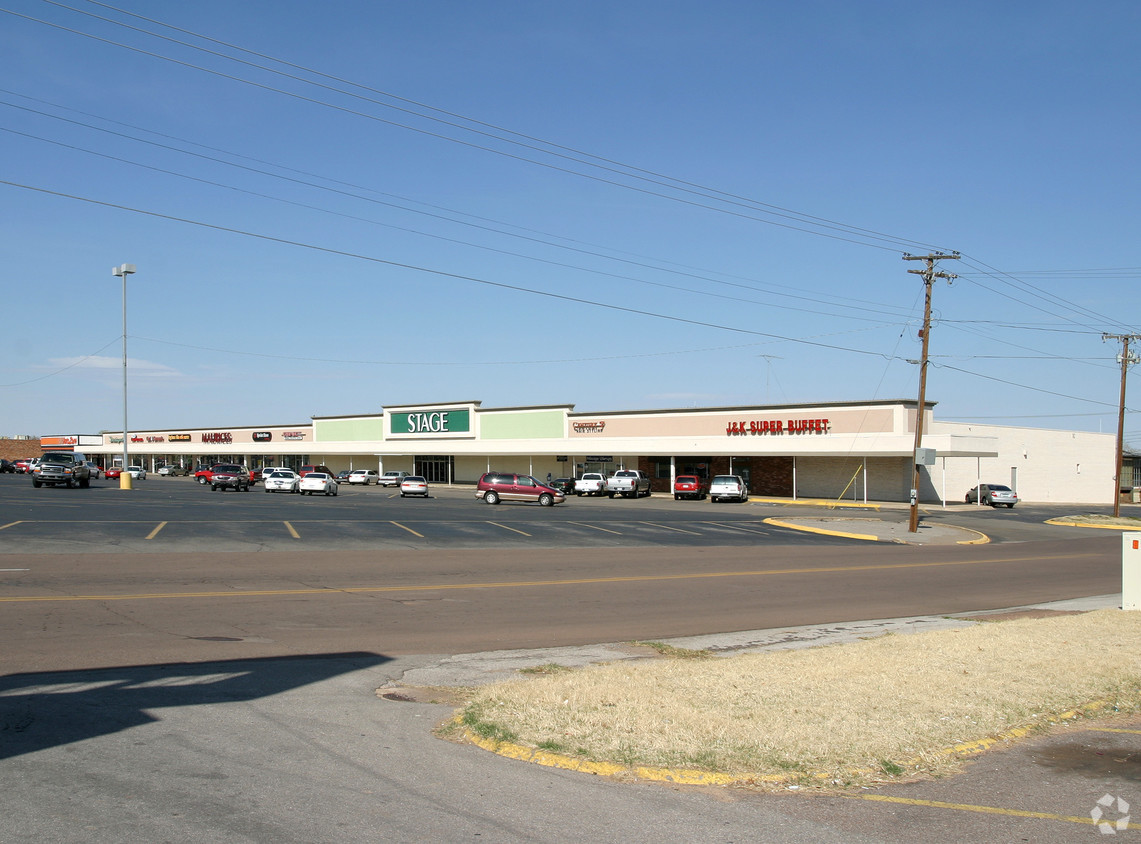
15 449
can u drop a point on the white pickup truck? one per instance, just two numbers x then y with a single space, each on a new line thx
591 483
629 483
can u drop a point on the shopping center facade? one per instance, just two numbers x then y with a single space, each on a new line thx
854 451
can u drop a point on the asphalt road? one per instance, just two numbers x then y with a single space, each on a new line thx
215 681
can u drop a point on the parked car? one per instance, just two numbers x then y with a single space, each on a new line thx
96 472
563 485
112 472
494 487
172 471
391 478
629 483
282 480
7 466
343 476
363 476
137 473
255 476
315 467
229 476
203 473
413 485
24 466
993 494
728 487
65 468
322 482
690 486
591 483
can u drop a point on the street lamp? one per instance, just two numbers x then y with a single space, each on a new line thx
124 270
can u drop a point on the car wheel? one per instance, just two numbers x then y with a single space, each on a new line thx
269 490
202 480
966 499
546 499
490 497
85 484
36 484
610 495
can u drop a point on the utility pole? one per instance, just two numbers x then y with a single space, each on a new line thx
1125 358
929 276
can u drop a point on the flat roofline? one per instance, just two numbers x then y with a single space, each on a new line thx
759 408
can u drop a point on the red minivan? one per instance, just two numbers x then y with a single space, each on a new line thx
494 487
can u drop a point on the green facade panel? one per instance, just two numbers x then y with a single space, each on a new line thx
544 424
367 429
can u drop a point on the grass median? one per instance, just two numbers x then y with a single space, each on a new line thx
886 708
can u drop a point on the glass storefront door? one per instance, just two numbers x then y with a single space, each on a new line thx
435 469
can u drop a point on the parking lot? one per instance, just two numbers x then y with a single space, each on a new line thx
178 514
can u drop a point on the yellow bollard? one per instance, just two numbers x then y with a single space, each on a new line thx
125 480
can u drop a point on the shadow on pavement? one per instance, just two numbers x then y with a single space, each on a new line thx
44 710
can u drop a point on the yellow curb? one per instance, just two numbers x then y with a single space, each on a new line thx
815 502
1069 523
688 776
806 529
982 540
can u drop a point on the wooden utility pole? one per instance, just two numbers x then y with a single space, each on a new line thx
929 276
1126 358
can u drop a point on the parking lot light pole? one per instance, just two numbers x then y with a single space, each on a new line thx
124 270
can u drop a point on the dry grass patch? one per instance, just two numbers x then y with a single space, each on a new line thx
847 713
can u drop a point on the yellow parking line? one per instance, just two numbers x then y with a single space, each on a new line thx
596 527
404 527
986 810
292 532
1111 730
667 527
11 524
508 528
154 532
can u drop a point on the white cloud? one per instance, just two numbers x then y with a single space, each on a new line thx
136 367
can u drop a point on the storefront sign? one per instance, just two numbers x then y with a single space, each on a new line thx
156 439
262 436
596 459
48 443
431 422
293 435
224 437
776 426
588 427
178 438
116 439
137 439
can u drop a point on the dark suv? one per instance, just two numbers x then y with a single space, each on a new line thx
494 487
229 476
66 468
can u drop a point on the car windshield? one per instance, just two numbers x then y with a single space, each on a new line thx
317 476
411 479
281 475
686 479
725 479
53 458
998 488
227 467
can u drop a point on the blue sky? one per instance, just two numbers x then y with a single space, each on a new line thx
623 205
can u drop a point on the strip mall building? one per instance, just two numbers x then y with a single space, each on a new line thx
856 451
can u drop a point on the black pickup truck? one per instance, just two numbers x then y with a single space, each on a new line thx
63 468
